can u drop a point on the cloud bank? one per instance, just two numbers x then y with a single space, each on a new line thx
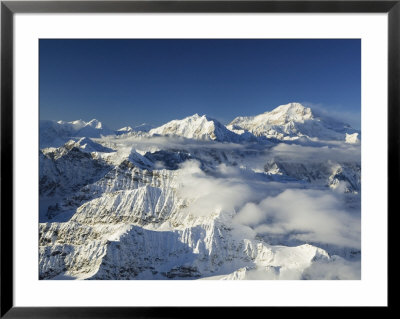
225 190
313 216
273 208
299 153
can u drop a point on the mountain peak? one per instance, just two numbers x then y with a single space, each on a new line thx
295 112
291 106
196 117
197 127
291 121
95 123
281 115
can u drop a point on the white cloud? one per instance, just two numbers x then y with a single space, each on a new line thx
307 215
336 268
297 153
207 194
272 208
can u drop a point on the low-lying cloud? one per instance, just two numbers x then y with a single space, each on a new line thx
225 190
336 268
305 215
272 208
296 153
155 143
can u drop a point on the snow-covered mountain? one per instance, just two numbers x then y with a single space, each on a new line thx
52 133
292 121
194 200
197 127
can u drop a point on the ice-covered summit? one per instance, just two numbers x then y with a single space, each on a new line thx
290 122
292 112
197 127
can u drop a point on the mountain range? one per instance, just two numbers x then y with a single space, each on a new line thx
271 196
288 122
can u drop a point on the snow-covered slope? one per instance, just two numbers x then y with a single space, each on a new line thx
290 122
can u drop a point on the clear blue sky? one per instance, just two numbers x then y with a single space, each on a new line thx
128 82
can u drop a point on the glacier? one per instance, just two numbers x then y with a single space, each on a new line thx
271 196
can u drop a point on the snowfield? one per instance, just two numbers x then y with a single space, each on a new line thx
271 196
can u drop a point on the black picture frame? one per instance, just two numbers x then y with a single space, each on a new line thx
9 8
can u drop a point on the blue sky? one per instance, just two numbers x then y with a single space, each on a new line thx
128 82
